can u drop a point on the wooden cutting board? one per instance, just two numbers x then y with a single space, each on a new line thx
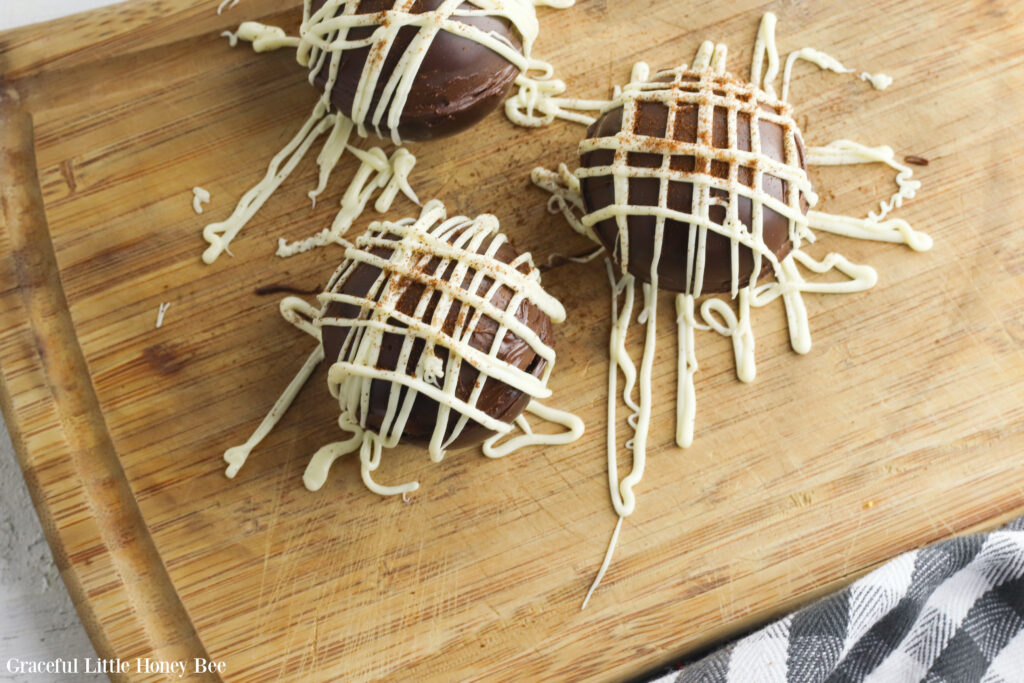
902 427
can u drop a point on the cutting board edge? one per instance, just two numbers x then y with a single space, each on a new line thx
65 430
31 473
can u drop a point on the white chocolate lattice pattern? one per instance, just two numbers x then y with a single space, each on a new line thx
705 91
440 254
324 36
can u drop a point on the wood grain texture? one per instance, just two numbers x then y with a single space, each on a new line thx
98 512
903 426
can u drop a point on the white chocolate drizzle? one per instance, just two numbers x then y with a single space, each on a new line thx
220 234
564 188
199 197
539 102
323 36
467 248
161 311
706 85
847 152
828 63
262 37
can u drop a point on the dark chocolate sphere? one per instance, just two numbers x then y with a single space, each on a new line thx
458 82
497 399
652 118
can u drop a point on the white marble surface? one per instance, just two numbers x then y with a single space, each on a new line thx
37 620
15 13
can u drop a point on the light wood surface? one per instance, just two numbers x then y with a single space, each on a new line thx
903 426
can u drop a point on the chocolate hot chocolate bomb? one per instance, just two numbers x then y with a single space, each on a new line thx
458 82
436 332
497 399
651 120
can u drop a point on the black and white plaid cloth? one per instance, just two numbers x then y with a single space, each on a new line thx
950 612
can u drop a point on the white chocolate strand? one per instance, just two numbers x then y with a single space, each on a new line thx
220 234
765 49
439 253
161 311
719 316
573 424
376 173
620 362
893 230
264 38
320 464
226 4
705 86
235 457
199 197
829 63
605 563
687 366
847 152
330 154
790 286
564 188
538 103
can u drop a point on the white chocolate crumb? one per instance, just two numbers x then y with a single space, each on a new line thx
160 314
226 4
199 197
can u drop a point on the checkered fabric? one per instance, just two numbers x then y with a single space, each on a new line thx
950 612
